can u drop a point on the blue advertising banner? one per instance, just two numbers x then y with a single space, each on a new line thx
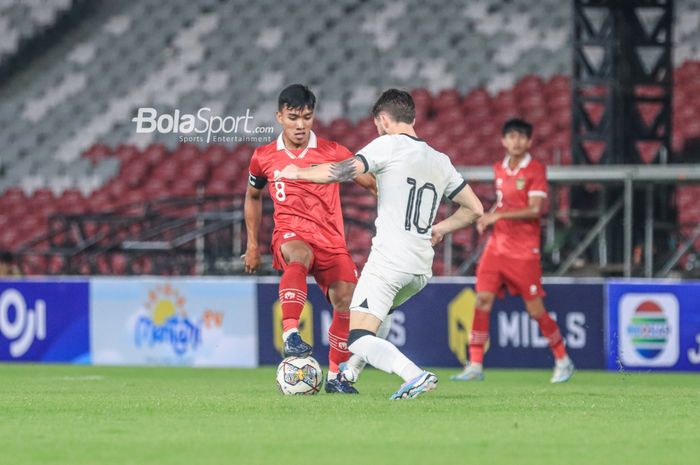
433 327
188 321
654 326
42 321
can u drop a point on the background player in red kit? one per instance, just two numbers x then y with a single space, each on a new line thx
512 255
309 234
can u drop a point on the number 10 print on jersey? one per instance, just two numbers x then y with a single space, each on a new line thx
415 202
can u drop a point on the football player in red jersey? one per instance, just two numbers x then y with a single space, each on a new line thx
512 255
309 236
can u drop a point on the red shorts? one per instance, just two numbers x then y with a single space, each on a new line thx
327 266
521 277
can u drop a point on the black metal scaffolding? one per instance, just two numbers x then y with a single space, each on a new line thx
622 81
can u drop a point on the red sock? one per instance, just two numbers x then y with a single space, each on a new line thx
292 294
479 336
550 330
338 340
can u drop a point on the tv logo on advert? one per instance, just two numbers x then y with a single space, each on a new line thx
26 326
648 330
168 323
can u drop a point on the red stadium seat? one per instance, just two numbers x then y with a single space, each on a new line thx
218 187
531 101
100 201
216 154
167 170
421 96
530 84
154 153
186 153
428 129
97 152
127 152
156 189
41 197
117 188
55 264
506 101
339 128
197 171
134 196
183 187
446 99
476 99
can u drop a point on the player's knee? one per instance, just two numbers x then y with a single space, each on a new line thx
340 294
535 309
342 301
301 255
484 302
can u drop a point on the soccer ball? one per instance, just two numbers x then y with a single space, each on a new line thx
299 375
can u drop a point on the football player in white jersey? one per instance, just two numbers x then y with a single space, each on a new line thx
411 179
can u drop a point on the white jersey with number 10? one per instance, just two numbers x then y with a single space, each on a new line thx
411 177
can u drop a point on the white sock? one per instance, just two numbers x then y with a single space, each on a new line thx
562 362
384 355
355 363
353 368
332 375
286 334
476 366
410 371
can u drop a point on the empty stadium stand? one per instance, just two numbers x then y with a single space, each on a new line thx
69 146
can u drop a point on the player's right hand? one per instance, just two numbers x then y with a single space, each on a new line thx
290 172
485 221
251 259
436 236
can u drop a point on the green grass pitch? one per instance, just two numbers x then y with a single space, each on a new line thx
109 415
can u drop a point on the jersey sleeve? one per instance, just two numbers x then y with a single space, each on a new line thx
455 182
538 187
256 176
376 154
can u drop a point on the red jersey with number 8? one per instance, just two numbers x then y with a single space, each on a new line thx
518 239
311 210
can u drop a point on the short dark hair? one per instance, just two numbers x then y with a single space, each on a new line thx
517 125
398 104
296 97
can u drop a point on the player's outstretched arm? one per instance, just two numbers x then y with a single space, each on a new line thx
252 211
324 173
470 209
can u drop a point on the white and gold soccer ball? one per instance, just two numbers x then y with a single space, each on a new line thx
299 375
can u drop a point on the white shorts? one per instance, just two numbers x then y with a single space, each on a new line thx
380 289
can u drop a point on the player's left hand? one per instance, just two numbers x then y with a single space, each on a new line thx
436 236
290 172
485 221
